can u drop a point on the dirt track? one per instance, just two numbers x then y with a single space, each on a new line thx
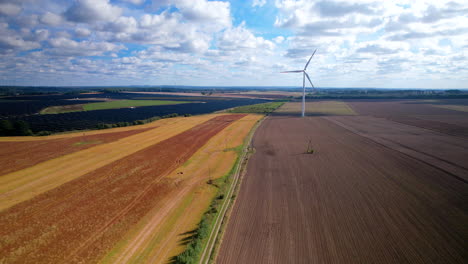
352 201
82 219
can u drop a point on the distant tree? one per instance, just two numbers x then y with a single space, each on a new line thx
21 128
43 133
453 91
6 128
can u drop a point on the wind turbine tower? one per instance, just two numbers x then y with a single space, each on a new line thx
303 82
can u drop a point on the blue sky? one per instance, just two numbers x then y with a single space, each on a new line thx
360 43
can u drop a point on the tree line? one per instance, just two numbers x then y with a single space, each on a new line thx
14 128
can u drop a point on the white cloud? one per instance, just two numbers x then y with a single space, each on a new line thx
51 19
258 3
82 32
360 42
215 14
89 11
135 2
12 41
278 39
238 38
9 9
121 24
68 47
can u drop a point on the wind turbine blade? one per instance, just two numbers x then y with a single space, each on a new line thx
292 71
308 78
309 60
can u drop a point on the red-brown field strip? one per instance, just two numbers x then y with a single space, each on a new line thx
17 155
81 220
351 201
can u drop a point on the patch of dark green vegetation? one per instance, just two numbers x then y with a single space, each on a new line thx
28 107
21 128
14 128
264 108
198 239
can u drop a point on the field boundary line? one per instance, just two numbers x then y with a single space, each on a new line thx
208 250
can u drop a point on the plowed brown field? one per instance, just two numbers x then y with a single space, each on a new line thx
17 155
420 113
352 201
82 219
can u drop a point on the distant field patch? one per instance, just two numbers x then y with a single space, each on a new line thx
107 105
257 108
62 109
318 108
461 108
128 103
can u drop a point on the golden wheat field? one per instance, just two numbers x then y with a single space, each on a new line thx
115 196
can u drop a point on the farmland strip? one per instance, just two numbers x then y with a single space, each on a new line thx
84 226
453 146
24 184
160 236
15 156
351 201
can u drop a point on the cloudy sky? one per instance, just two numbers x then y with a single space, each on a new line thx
360 43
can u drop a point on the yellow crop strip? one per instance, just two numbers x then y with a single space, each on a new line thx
157 237
23 185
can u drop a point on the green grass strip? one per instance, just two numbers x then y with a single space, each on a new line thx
264 108
128 103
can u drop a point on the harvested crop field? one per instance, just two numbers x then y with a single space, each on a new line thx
438 115
83 218
17 155
361 197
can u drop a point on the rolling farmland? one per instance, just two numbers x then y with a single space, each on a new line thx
377 189
27 108
115 196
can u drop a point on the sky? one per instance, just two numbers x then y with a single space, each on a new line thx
360 43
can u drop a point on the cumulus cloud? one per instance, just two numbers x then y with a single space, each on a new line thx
237 38
51 19
278 39
121 24
11 41
68 47
82 32
9 9
215 14
338 8
89 11
135 2
356 39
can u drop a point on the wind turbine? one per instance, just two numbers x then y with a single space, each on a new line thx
303 82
